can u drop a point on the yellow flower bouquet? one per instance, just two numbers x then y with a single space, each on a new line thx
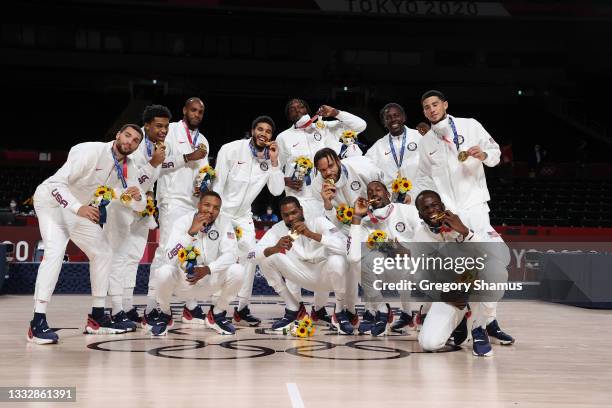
377 239
188 258
101 198
302 328
400 187
344 213
203 180
302 168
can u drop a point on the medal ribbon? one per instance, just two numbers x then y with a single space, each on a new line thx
455 134
376 220
266 151
149 147
399 162
195 139
121 172
308 123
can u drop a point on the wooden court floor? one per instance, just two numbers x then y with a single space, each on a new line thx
562 358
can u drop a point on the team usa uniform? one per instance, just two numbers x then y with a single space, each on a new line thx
240 176
304 139
219 249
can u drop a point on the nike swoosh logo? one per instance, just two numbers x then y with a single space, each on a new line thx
432 152
181 142
296 144
386 153
46 330
97 169
239 162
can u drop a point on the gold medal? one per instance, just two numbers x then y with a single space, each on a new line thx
463 156
126 198
159 145
320 123
330 181
202 147
438 216
293 235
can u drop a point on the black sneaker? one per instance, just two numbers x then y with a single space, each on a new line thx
460 333
40 333
133 315
320 317
404 320
122 321
245 318
146 317
289 317
195 316
498 335
104 325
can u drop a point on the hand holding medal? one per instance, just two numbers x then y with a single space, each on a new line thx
325 111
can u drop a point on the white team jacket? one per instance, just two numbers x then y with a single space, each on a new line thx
241 177
380 153
218 245
353 183
89 165
294 142
304 249
461 185
400 223
178 184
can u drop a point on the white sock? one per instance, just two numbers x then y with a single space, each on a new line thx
98 301
128 298
40 306
151 304
117 303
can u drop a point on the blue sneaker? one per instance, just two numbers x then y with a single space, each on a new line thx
353 317
289 317
122 321
195 316
221 324
244 317
380 324
480 343
159 326
40 333
498 335
367 321
342 323
404 320
103 325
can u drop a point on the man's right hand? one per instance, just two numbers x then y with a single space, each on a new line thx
196 155
159 155
294 184
197 224
328 193
284 244
89 212
361 207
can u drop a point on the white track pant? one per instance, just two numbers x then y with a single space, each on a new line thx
322 277
57 226
441 320
247 243
169 212
172 279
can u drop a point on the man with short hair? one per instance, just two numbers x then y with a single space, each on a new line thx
216 269
396 153
62 204
398 221
444 319
176 195
304 138
243 168
309 252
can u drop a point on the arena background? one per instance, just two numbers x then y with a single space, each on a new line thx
532 72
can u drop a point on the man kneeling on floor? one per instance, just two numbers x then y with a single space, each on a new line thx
310 253
200 260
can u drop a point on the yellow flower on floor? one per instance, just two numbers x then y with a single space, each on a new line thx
302 332
307 321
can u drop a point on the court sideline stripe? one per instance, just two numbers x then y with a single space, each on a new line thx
294 394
